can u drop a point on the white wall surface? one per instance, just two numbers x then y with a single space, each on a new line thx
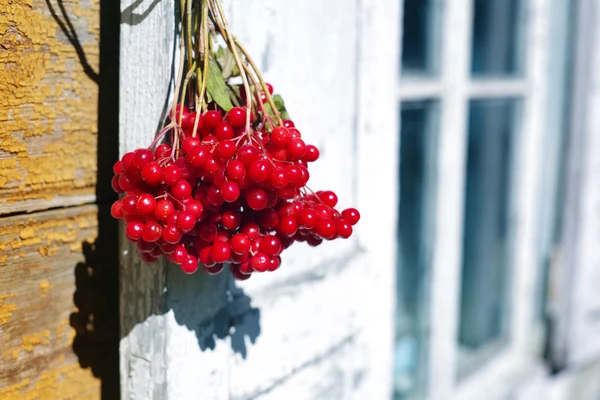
321 327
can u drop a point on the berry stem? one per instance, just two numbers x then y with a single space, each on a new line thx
205 52
260 79
189 50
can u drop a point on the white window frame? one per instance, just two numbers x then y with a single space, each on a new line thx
454 87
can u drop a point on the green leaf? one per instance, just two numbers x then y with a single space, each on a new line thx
217 87
226 61
280 105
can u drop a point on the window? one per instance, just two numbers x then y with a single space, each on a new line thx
474 108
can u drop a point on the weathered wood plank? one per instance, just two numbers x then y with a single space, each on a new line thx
48 103
40 254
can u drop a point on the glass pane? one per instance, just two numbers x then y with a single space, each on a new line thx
415 231
497 38
486 239
420 38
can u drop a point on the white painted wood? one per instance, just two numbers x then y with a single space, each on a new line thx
446 268
322 325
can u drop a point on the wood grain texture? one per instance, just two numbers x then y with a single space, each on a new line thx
309 330
38 257
48 103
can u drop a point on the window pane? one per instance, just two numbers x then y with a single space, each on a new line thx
417 153
420 38
486 239
497 38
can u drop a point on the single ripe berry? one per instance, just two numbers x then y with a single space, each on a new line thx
142 157
235 170
207 231
240 244
288 123
279 178
189 265
324 211
274 263
270 245
171 174
129 205
224 131
260 262
115 210
308 218
343 228
312 153
251 230
214 269
134 230
268 218
269 88
230 191
213 195
198 156
186 221
237 117
329 198
163 150
148 258
127 162
151 232
230 219
248 154
245 267
220 252
212 118
147 247
145 204
225 149
152 173
257 199
295 133
325 228
287 226
128 181
260 170
295 175
194 207
179 255
280 136
118 168
351 215
189 143
181 190
163 209
171 234
296 148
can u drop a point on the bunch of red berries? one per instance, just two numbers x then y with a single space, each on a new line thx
222 193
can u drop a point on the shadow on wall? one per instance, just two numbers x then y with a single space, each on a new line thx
211 306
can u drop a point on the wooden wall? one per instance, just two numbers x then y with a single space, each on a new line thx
49 96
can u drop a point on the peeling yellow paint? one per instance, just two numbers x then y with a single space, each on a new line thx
36 339
61 383
6 309
45 287
48 105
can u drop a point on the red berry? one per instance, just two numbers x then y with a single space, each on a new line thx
245 267
230 192
312 153
239 243
220 252
288 123
167 248
237 116
118 168
296 148
343 228
128 181
270 245
189 265
351 215
225 149
287 226
274 263
324 211
235 170
207 231
190 120
198 156
148 258
224 131
230 219
145 203
181 190
186 221
179 255
129 205
194 207
257 199
248 154
134 230
260 262
268 218
211 164
279 178
295 133
205 257
152 173
152 231
269 88
142 157
278 153
325 228
287 193
295 175
115 184
189 143
115 210
212 118
308 218
280 136
328 197
237 274
260 171
251 230
147 247
171 234
127 162
171 174
163 209
163 150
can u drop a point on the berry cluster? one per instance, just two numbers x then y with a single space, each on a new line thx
222 193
